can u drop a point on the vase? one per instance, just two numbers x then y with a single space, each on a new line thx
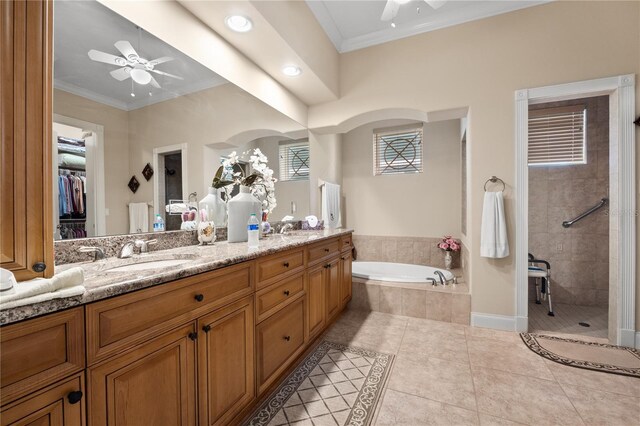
240 209
206 232
215 208
448 260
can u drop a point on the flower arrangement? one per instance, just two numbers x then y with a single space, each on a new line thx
261 180
449 244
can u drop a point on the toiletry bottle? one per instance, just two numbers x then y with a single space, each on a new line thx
158 224
253 229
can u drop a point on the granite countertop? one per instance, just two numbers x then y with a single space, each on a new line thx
101 282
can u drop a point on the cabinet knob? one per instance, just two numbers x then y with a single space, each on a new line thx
328 265
193 336
286 292
287 338
285 264
199 297
74 397
206 328
39 266
327 250
343 258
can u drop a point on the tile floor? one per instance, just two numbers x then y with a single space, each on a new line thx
452 374
567 318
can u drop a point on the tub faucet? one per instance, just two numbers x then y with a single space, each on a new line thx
440 275
432 281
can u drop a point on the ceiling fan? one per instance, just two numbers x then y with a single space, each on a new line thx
132 65
393 6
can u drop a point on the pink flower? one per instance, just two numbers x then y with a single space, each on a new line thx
455 247
443 246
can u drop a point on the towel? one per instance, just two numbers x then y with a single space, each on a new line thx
331 205
176 208
493 239
64 284
138 218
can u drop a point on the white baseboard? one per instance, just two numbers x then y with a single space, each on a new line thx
497 322
637 339
628 338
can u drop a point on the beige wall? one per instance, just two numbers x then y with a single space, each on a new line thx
413 205
480 65
326 165
116 145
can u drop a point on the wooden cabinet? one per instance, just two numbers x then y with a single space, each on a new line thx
226 381
323 250
57 405
275 267
333 287
26 221
345 278
38 352
279 340
275 297
316 301
153 384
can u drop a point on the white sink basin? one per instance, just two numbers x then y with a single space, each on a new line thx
149 264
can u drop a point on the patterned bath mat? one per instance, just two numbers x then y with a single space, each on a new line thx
334 385
581 354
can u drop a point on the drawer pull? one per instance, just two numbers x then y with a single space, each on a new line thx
285 264
74 397
206 328
286 292
343 258
326 250
193 336
287 338
199 297
328 265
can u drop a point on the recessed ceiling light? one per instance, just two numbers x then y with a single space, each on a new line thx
291 70
239 23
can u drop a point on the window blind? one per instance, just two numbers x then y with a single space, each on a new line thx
294 161
557 136
397 150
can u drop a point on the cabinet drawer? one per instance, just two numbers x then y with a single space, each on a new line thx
40 351
268 300
271 268
280 339
322 250
345 242
124 321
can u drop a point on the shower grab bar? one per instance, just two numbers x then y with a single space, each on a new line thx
602 203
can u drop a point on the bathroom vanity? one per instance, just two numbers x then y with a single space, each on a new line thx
200 342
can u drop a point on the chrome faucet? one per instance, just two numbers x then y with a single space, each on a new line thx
126 250
285 228
143 245
440 275
98 253
432 281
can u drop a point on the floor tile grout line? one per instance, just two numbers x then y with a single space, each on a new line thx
435 400
567 396
473 382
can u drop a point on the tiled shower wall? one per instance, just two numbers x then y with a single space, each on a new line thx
579 255
414 250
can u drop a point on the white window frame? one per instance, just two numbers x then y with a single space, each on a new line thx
285 158
382 170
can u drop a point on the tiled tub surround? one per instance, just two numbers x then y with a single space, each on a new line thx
100 284
579 255
450 303
414 250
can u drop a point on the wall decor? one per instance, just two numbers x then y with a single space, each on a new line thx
147 172
133 184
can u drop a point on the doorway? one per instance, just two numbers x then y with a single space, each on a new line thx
620 91
169 182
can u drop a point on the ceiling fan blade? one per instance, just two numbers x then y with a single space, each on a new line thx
167 74
435 4
121 74
160 60
154 83
390 10
126 49
107 58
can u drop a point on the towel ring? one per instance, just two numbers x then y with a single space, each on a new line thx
494 179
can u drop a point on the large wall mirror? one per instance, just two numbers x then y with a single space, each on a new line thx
124 101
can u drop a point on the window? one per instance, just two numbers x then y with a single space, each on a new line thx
558 136
294 160
397 150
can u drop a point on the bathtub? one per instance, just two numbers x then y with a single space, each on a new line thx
397 272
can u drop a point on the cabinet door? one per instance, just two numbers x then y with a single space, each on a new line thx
153 384
333 288
316 311
57 405
226 362
345 278
26 221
